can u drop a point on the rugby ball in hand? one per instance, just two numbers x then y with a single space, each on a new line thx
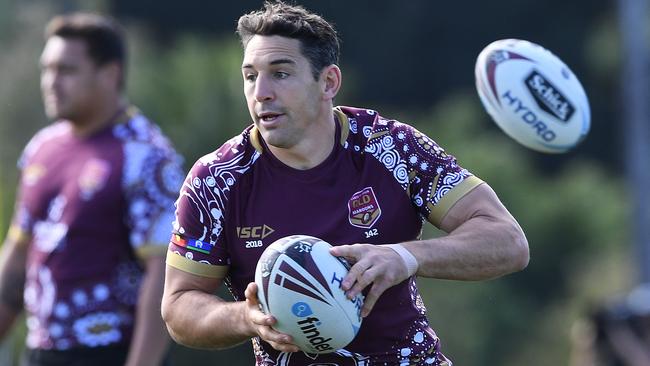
532 95
299 283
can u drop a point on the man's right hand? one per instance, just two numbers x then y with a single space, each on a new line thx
261 323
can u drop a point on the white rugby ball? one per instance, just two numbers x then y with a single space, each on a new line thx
532 95
298 282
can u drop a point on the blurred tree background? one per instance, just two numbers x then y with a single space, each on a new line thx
413 61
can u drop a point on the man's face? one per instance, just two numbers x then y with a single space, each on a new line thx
70 80
282 96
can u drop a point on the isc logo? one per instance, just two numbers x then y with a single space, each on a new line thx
254 232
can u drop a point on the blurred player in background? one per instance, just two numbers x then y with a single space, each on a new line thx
84 253
345 175
617 333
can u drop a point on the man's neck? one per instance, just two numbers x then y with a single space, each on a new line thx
101 117
313 149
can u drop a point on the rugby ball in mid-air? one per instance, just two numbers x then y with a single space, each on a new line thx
299 283
532 95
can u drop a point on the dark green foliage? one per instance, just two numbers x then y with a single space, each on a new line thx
572 207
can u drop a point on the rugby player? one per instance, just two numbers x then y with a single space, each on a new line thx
84 255
358 180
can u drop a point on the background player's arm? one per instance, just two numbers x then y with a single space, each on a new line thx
197 318
150 340
13 256
484 242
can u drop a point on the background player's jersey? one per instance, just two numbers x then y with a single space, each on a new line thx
88 208
379 182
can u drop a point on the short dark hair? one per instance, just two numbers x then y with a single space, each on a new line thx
103 36
318 39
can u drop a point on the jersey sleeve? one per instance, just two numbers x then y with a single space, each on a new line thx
197 244
22 222
432 178
152 178
436 180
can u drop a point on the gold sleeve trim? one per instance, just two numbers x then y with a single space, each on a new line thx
378 134
439 211
150 250
344 123
17 234
200 269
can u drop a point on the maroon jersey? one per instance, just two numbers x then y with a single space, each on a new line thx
89 207
380 181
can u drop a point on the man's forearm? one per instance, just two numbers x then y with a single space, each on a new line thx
199 320
12 282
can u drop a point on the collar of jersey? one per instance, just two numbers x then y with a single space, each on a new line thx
342 132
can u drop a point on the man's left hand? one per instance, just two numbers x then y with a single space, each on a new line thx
375 265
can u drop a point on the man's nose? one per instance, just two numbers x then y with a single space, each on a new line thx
263 89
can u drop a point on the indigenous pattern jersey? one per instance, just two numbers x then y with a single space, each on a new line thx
89 208
380 181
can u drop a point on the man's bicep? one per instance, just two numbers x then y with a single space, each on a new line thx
480 201
178 281
185 295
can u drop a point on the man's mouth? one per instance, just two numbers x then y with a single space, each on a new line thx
268 116
55 99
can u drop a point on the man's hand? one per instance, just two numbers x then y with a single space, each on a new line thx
261 323
374 265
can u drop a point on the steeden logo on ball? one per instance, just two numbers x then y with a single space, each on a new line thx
532 95
548 97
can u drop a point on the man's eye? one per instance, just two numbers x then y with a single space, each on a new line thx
67 70
250 77
281 75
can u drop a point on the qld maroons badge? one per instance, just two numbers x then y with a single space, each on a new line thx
93 177
363 208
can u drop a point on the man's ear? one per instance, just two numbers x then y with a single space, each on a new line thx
332 79
111 74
